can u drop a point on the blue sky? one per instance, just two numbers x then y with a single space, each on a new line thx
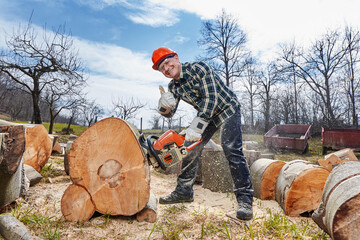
116 38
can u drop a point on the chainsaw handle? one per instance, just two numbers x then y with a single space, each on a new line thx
193 145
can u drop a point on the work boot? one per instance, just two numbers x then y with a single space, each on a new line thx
175 197
244 211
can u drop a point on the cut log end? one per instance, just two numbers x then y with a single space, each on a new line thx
76 204
305 192
269 178
347 220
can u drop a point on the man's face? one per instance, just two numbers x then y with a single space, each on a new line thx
171 67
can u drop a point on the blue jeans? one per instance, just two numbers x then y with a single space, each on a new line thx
231 142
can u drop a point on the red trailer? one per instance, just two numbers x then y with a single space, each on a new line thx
288 136
340 138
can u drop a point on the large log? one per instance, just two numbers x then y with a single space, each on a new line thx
12 175
338 212
38 144
264 173
299 187
109 163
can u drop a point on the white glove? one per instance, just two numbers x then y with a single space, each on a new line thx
196 129
191 135
167 100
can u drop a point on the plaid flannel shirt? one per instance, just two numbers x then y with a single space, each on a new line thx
201 87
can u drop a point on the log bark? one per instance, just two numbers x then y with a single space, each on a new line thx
11 228
149 213
13 182
264 173
76 204
38 144
109 163
299 187
338 212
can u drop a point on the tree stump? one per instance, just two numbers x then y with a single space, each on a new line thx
338 212
264 173
12 174
38 144
108 163
299 187
215 171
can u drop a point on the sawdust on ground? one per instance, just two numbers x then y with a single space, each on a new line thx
46 196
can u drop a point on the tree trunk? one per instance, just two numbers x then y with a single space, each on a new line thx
264 173
338 212
108 163
38 144
299 187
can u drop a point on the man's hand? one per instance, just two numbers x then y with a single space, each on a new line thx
166 104
196 129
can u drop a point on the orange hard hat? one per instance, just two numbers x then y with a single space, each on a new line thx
160 54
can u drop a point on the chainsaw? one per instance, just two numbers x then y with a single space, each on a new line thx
167 150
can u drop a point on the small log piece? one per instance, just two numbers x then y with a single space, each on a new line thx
251 156
338 212
299 187
264 173
76 204
149 213
109 163
336 158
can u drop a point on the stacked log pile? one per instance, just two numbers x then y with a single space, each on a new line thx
338 213
109 173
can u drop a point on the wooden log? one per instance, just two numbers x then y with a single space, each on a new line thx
66 154
299 187
338 212
38 147
12 146
251 156
11 228
12 175
336 158
264 173
38 144
76 204
149 213
108 161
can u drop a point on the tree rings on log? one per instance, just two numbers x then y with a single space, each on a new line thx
108 161
338 213
299 187
76 204
264 173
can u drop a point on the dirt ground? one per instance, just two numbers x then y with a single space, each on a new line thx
205 218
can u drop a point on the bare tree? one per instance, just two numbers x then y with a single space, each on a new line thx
224 42
250 78
34 62
155 121
91 112
317 68
351 75
269 77
126 108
